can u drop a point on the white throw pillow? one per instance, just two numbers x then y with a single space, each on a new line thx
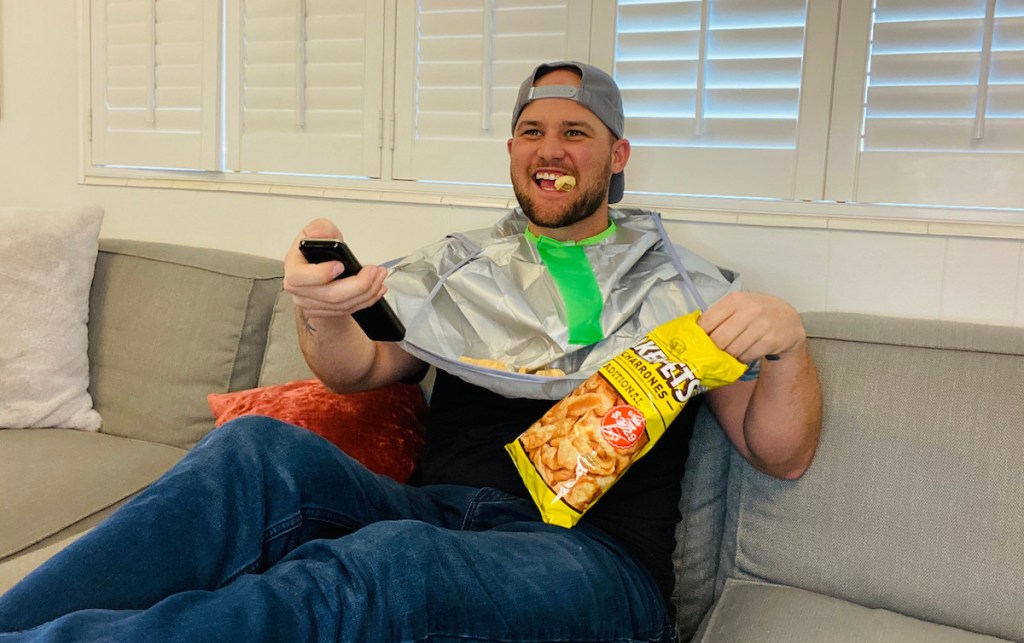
47 260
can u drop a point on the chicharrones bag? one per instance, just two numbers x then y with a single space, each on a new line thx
573 454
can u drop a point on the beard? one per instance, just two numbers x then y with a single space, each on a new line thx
586 202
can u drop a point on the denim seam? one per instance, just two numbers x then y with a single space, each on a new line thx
269 534
484 496
463 637
281 527
328 516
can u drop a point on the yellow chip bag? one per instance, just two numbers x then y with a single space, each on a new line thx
573 454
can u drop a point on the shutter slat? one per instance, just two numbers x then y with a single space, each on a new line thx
780 42
923 101
669 45
928 36
1008 67
945 135
720 132
669 16
907 10
758 14
925 69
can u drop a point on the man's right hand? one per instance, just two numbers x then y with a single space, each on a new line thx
336 349
315 288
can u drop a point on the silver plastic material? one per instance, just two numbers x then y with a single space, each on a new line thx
486 294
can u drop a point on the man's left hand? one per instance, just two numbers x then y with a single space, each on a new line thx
749 326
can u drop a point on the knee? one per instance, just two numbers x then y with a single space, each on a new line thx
253 436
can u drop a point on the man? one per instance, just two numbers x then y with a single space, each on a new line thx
266 532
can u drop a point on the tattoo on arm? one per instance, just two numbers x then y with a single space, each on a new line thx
308 327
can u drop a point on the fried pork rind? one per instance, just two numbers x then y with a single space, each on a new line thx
565 183
577 450
504 366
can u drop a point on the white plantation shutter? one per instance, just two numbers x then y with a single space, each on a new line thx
154 83
944 111
916 102
305 86
713 98
460 65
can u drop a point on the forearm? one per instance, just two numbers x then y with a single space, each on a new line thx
782 422
344 359
775 420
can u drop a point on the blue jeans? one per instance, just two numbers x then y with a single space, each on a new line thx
266 532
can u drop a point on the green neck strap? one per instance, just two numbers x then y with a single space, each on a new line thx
569 267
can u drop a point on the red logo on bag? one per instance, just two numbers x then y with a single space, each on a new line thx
622 426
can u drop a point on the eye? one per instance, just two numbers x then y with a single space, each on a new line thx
575 133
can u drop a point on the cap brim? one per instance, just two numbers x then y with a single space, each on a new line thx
616 188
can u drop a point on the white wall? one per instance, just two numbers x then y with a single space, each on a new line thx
933 276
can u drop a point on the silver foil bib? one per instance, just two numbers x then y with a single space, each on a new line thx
486 294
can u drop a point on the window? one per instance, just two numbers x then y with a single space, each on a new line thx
916 102
719 100
304 87
942 106
463 69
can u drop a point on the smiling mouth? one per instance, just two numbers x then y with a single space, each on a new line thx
554 181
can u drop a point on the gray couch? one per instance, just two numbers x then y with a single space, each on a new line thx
908 526
168 325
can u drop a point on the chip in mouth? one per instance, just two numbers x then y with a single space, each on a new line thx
565 183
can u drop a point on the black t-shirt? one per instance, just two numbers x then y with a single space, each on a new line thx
467 430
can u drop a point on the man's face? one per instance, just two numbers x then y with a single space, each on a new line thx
556 136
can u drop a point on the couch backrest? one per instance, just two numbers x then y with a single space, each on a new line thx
915 500
154 359
283 361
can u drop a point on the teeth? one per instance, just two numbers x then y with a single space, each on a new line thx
550 176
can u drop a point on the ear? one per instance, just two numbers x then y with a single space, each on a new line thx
620 154
510 147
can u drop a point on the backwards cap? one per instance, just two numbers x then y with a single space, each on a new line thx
597 92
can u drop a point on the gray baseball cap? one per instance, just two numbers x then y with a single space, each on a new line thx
597 92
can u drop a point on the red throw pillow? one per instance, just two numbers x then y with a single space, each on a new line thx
383 429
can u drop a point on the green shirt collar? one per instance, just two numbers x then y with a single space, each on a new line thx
589 241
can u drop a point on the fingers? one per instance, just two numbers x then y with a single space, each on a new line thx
319 229
316 288
315 229
342 296
749 326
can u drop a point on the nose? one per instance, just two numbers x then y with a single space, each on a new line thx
551 147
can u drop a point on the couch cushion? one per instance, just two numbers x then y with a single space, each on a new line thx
53 478
752 611
283 361
915 500
383 428
170 325
16 566
699 533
